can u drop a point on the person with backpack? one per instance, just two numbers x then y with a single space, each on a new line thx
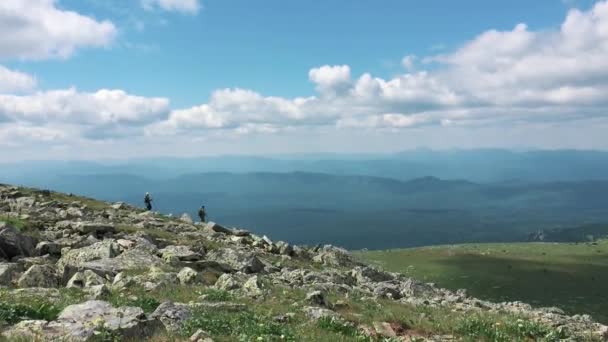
148 201
202 214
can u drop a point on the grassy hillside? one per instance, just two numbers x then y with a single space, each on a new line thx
570 276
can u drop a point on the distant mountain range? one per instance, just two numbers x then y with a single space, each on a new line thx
353 206
483 165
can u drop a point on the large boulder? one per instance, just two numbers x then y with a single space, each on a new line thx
14 244
335 257
74 260
237 259
179 253
83 322
214 227
48 248
39 276
95 228
132 259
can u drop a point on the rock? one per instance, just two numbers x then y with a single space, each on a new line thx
14 244
384 329
132 259
95 228
39 276
119 206
369 274
81 321
200 336
253 287
284 248
386 290
86 278
181 253
75 259
335 257
98 291
239 260
212 226
47 247
227 282
73 213
186 218
172 315
125 244
316 313
7 272
187 276
317 298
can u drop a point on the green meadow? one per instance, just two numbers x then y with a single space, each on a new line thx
573 277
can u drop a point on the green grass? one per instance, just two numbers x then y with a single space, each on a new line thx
569 276
15 308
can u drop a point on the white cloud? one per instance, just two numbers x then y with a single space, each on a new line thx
37 29
70 106
330 80
515 75
183 6
15 81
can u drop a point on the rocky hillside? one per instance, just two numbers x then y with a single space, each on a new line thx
76 269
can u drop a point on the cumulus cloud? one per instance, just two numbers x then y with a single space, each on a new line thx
183 6
15 82
330 80
37 29
514 75
71 106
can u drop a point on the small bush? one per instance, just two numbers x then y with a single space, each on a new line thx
143 301
13 313
214 295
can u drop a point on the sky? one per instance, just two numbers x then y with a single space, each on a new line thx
92 79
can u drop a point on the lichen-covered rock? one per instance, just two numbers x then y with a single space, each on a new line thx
334 256
188 276
73 260
253 287
86 278
81 322
132 259
237 259
8 272
39 276
181 253
172 315
227 282
95 228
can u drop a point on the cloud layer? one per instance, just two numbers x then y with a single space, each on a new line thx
518 75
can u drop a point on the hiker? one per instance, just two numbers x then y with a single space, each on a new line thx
202 214
148 201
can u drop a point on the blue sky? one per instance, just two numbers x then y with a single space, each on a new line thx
275 76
